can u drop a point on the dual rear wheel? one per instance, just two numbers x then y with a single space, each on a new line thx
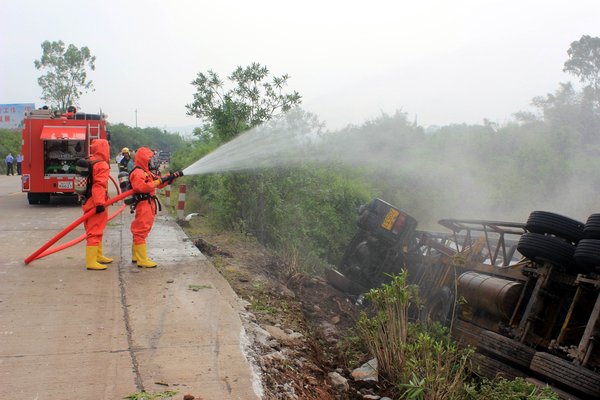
562 241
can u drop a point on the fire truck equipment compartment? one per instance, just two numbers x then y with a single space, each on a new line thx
63 133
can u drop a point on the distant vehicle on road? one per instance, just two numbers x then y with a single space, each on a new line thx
164 157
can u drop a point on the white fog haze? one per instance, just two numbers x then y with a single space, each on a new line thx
450 178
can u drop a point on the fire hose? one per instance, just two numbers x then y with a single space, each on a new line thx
41 252
82 236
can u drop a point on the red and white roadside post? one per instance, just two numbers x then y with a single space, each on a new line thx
168 195
181 203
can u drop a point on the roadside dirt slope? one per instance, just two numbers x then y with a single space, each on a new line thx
307 320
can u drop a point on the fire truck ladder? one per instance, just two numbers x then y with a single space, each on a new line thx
91 136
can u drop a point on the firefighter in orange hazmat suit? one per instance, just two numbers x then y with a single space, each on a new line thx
95 198
144 183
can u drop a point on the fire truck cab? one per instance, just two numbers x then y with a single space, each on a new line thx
51 146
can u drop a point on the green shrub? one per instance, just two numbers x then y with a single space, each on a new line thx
435 367
503 389
307 211
422 362
385 332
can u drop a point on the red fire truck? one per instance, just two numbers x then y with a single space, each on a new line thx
51 146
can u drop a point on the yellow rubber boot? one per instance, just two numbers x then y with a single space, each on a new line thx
100 257
91 254
134 256
142 257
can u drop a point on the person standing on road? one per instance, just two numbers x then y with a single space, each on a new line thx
19 163
130 163
9 164
144 183
94 200
124 160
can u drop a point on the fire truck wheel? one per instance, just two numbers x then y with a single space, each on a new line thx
491 368
541 248
38 198
32 198
591 230
44 198
566 373
587 254
554 224
507 349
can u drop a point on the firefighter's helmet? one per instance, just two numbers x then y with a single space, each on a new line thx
125 150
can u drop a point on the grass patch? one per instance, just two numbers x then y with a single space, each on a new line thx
151 396
503 389
259 306
220 263
195 288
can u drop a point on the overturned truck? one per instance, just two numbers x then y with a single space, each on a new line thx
525 295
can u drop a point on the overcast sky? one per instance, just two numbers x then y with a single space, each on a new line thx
440 61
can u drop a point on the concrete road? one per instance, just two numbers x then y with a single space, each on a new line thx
69 333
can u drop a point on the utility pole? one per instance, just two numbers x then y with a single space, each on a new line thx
136 117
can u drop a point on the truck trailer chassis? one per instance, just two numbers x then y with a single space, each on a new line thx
525 295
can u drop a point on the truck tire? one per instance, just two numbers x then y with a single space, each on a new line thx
591 230
491 368
567 374
32 198
506 349
438 306
349 254
38 198
545 222
343 284
44 198
587 254
541 248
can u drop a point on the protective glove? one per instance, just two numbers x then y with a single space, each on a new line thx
176 174
99 209
171 177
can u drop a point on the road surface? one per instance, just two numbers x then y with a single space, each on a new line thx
70 333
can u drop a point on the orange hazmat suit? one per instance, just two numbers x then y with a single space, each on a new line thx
144 183
96 198
100 171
